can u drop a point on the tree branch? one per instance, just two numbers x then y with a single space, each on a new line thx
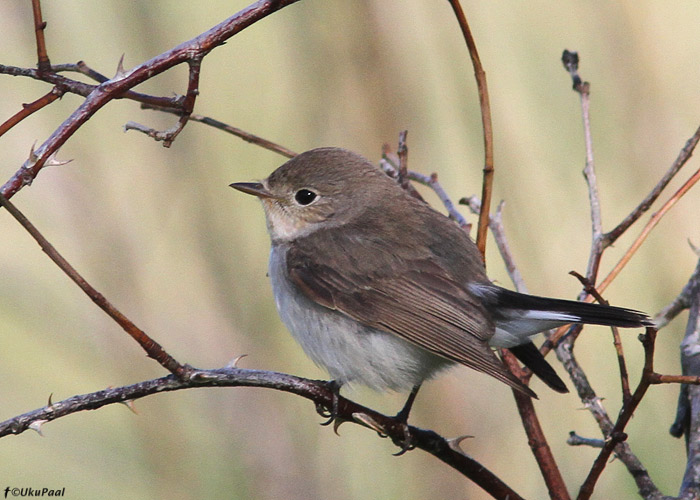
480 76
152 348
105 92
318 391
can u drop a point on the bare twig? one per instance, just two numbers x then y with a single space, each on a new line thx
392 163
43 64
29 108
624 376
570 61
168 136
402 153
152 348
317 391
432 182
681 302
617 435
535 435
68 85
653 221
197 47
576 440
499 234
681 160
658 378
242 134
480 75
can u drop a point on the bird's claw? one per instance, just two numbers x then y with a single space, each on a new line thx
330 413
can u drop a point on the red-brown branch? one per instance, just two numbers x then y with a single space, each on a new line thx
43 63
480 75
152 348
617 435
104 93
29 108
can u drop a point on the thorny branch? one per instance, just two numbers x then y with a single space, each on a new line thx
184 53
317 391
68 85
168 136
152 348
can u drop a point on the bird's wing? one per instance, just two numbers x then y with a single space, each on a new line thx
412 297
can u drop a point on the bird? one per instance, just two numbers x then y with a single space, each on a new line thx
382 290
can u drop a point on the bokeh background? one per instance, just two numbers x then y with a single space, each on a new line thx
161 234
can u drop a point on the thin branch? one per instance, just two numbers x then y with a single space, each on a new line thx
480 75
682 301
317 391
104 93
658 378
432 182
624 375
29 108
241 134
168 136
68 85
683 157
531 424
617 435
535 435
499 234
653 221
576 440
43 64
152 348
392 164
402 153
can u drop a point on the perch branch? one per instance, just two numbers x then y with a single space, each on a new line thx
317 391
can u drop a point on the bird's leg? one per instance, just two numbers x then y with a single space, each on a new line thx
332 412
401 417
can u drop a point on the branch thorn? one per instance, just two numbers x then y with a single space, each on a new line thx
368 421
120 69
129 403
234 362
36 426
455 443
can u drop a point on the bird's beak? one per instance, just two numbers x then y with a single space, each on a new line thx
254 188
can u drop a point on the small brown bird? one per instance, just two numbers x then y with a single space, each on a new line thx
382 290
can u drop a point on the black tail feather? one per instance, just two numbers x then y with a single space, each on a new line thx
531 357
596 314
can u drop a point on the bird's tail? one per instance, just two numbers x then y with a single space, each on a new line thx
519 316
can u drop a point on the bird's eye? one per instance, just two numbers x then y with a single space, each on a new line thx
304 196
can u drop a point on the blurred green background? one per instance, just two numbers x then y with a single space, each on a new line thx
161 234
